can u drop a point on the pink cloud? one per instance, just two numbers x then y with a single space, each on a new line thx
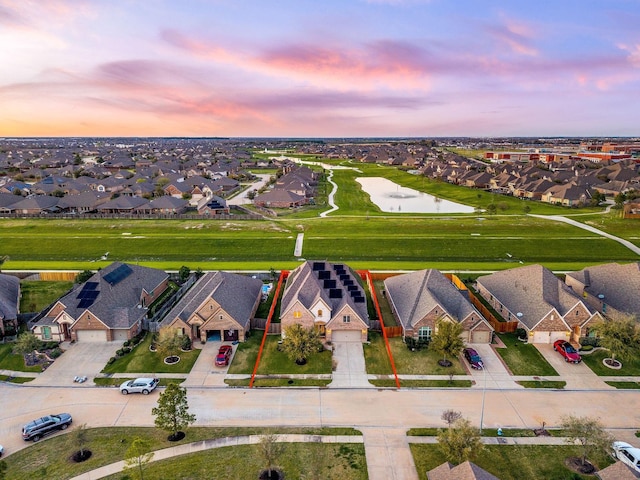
516 36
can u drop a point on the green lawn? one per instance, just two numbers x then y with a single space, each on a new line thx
276 362
542 383
279 382
486 432
116 382
422 383
6 378
141 360
383 302
594 361
36 295
625 385
246 354
48 458
508 462
523 358
11 361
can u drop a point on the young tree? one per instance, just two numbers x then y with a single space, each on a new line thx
137 457
79 438
590 434
169 342
184 273
461 442
299 343
26 343
172 413
446 340
271 450
620 335
450 417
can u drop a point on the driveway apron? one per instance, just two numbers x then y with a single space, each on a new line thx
578 376
204 371
79 359
388 454
350 370
495 375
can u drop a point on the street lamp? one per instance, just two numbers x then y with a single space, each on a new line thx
484 391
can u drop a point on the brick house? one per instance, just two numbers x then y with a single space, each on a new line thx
9 303
109 306
540 302
328 297
419 299
219 306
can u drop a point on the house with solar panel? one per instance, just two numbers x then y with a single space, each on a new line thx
110 306
327 297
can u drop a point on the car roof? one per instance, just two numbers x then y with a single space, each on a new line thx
144 379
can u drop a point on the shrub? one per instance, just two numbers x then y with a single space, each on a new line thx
55 353
186 342
126 343
49 345
590 341
120 352
111 360
521 333
586 348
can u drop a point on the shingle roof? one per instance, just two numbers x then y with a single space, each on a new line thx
620 284
415 294
617 471
464 471
9 297
532 290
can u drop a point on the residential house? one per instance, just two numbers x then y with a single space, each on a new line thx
419 299
122 205
278 198
465 471
109 306
328 297
213 205
540 302
9 303
567 194
219 306
617 471
612 289
164 205
35 205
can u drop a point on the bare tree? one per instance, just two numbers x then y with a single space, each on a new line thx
271 450
450 417
590 434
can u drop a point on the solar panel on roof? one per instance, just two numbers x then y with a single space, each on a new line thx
324 274
329 284
349 283
335 293
359 299
318 266
90 286
85 303
119 274
352 287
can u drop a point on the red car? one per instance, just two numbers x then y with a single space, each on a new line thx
567 351
224 355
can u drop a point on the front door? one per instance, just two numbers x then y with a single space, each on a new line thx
321 329
65 332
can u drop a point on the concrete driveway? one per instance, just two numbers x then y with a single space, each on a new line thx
204 372
494 375
350 370
79 359
578 376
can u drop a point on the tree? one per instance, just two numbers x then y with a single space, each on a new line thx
137 457
299 343
271 450
446 340
450 417
79 438
83 276
460 443
619 199
172 413
184 273
169 342
26 343
491 209
590 434
620 335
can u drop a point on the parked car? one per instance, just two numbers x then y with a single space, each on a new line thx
473 358
224 355
42 426
627 454
139 385
1 450
565 349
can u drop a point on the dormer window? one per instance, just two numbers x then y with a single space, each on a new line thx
319 313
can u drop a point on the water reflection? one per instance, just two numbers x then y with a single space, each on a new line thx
391 197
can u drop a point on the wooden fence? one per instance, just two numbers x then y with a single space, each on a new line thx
58 276
260 324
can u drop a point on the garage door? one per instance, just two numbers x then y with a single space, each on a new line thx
480 336
91 335
548 337
558 336
346 336
120 335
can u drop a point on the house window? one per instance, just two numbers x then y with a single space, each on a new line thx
319 313
46 333
221 317
577 313
424 333
346 319
297 314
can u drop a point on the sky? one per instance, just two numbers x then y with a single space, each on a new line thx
319 68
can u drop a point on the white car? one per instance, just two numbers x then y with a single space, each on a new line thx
627 454
139 385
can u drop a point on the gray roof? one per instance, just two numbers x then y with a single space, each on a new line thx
304 285
236 294
617 471
465 471
533 291
116 303
415 294
620 285
9 297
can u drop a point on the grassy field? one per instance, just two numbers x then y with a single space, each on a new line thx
49 458
523 358
36 295
509 462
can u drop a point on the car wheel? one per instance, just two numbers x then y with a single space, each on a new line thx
64 426
124 392
566 359
145 392
35 438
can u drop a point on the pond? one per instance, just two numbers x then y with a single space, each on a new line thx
391 197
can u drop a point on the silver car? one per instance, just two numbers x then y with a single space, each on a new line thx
139 385
627 454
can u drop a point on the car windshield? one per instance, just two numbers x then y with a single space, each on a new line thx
569 349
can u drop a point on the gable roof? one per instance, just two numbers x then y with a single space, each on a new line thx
617 471
415 294
465 471
533 291
9 296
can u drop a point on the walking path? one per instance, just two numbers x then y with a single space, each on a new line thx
332 195
297 252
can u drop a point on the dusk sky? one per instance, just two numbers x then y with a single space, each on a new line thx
319 68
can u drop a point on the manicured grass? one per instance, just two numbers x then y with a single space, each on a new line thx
276 362
486 432
383 302
594 362
49 458
246 354
375 355
141 360
36 295
625 385
508 462
523 358
330 461
422 383
116 382
6 378
279 382
542 383
11 361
